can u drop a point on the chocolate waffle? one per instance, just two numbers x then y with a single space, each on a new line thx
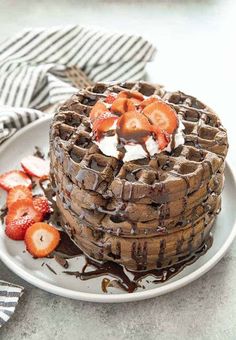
145 213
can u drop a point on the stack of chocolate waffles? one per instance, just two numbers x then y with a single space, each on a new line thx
147 213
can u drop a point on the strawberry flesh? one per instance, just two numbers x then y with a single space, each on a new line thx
138 118
161 137
14 178
135 96
134 127
41 204
148 101
103 124
41 239
162 115
122 105
16 229
35 166
23 208
19 192
98 109
110 98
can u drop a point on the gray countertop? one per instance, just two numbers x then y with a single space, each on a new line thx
197 54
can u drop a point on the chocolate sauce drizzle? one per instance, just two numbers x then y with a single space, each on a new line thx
3 213
122 278
126 280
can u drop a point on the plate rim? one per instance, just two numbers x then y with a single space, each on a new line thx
113 298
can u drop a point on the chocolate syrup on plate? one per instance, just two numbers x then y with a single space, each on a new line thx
119 276
124 279
67 248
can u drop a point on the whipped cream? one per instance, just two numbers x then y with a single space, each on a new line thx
119 144
108 145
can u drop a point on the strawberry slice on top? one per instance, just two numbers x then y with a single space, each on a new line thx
103 124
148 101
134 127
110 98
161 137
98 109
162 115
35 166
23 208
122 105
14 178
19 192
135 96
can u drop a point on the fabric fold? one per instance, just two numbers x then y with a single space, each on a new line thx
9 297
29 64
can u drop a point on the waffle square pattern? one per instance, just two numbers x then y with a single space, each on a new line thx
147 213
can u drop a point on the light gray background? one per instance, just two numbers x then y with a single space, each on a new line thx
196 53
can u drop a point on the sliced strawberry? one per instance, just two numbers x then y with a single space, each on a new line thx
162 137
104 123
98 109
41 204
135 96
133 126
110 98
35 166
41 239
13 178
16 229
20 192
162 115
23 208
122 105
148 101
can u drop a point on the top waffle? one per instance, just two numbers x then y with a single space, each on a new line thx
164 178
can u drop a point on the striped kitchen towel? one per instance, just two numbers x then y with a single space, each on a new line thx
43 67
36 67
9 296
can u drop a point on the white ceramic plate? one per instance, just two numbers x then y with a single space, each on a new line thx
11 252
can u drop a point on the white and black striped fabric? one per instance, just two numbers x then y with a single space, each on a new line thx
34 74
34 64
12 119
9 296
